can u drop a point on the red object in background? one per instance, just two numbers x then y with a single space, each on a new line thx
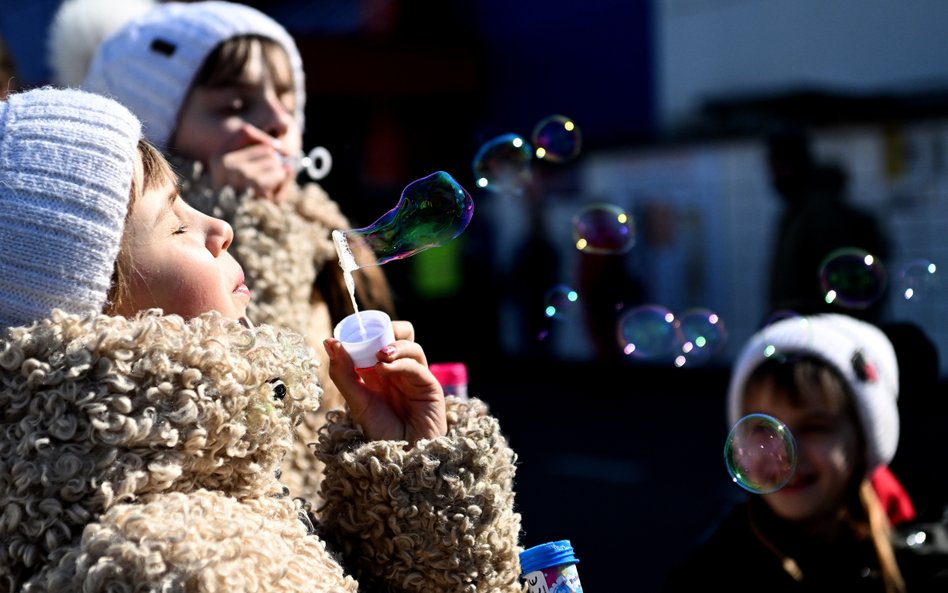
452 376
895 500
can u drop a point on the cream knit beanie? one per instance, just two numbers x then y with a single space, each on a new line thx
66 165
149 63
861 353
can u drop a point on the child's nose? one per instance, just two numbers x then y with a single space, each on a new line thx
275 116
219 235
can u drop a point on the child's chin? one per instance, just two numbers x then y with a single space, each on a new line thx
797 486
792 508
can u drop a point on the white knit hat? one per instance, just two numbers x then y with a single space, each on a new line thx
66 165
861 353
149 63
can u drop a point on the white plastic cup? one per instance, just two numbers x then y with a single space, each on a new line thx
362 347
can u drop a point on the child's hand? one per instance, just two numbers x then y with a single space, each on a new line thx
251 160
398 398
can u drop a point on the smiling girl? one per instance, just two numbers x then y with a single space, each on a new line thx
833 381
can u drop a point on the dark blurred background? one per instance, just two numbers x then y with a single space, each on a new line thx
675 100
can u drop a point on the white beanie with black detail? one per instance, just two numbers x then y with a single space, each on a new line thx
149 63
861 353
67 158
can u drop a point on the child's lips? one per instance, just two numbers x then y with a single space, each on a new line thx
241 287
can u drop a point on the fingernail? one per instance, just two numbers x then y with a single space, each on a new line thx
388 350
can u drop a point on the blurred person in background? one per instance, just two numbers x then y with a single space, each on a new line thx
816 221
841 522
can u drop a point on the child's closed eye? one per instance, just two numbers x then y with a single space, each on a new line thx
182 228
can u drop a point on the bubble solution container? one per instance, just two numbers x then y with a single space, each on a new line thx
363 334
550 568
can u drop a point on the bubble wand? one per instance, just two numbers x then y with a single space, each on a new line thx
430 212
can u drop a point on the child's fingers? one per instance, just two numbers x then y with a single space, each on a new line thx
248 135
343 373
403 330
400 349
261 168
411 377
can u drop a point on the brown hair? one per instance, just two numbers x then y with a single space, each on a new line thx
7 70
156 172
803 379
226 63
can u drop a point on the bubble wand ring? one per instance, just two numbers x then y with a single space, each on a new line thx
317 163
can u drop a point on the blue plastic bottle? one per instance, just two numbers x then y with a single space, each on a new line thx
551 568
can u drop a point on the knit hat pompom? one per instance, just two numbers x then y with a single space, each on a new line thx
859 351
67 158
150 62
77 29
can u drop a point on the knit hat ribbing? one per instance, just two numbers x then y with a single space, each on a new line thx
861 353
149 63
66 164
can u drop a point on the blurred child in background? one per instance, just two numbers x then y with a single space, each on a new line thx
833 381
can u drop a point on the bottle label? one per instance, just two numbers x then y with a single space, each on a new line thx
556 579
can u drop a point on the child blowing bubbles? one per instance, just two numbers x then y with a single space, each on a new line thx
220 87
140 451
833 381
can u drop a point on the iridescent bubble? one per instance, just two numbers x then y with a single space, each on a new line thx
760 453
852 278
502 165
918 280
648 332
603 228
431 211
703 335
560 302
557 139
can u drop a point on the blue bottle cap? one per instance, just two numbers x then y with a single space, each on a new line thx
546 555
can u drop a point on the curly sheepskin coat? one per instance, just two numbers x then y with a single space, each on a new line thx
282 248
142 455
